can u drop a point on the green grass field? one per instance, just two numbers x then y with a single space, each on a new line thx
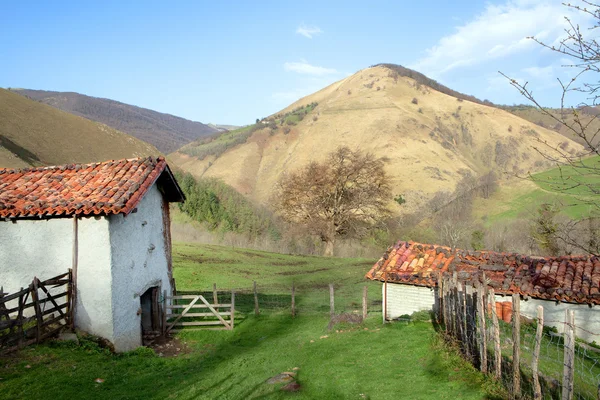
565 187
368 361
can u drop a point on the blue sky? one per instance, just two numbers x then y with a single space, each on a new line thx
232 62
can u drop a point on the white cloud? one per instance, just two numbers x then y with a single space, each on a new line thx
305 68
308 31
499 32
544 73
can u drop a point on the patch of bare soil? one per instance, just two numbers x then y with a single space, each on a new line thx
170 347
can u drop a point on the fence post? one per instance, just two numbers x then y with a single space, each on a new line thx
446 303
496 334
215 296
20 318
38 311
440 293
293 300
569 357
364 302
483 306
537 390
516 337
454 302
331 301
384 311
232 316
256 310
465 315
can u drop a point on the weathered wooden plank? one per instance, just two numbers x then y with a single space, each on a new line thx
199 323
496 336
175 306
232 310
202 299
38 312
58 308
569 356
537 389
198 329
13 296
332 301
29 305
215 294
50 298
516 337
207 314
184 311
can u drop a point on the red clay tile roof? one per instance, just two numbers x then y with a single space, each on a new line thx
110 187
573 279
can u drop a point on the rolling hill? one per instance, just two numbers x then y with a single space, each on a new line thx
588 117
35 134
164 131
432 135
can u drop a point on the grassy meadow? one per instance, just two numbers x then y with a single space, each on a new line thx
368 361
564 187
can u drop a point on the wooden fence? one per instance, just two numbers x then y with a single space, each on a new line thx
193 310
36 312
469 315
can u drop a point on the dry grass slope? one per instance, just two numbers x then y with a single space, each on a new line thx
432 139
35 134
166 132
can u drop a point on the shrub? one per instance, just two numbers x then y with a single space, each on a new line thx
378 88
349 92
510 128
420 110
564 145
315 118
286 130
399 199
415 100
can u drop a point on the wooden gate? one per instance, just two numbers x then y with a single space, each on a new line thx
193 310
51 301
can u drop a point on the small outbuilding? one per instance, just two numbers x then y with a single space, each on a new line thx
107 221
409 272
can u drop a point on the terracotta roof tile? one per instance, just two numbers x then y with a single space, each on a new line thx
111 187
574 279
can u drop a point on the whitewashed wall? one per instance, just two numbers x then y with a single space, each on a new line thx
44 248
407 299
587 319
119 258
139 261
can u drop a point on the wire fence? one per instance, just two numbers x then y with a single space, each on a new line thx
298 300
524 352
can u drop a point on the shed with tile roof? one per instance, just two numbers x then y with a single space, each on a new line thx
410 271
111 221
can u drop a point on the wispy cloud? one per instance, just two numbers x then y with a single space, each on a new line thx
308 31
499 32
305 68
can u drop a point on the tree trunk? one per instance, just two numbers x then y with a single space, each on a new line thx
329 247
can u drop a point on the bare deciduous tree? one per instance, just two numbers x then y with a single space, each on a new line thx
345 195
579 175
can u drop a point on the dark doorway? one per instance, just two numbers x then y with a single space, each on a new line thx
151 318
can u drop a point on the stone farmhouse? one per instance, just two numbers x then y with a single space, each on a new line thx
107 221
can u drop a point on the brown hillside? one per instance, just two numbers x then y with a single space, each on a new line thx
165 131
34 134
432 139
